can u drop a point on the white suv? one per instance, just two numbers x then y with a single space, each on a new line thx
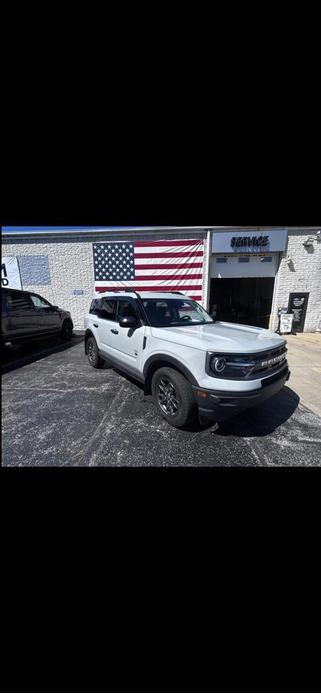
188 361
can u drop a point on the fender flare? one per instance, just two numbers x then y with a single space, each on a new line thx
172 362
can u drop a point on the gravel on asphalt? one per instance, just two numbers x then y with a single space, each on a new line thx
58 411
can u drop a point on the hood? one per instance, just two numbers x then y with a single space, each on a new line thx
223 337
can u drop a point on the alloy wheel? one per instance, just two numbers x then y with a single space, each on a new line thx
167 397
91 351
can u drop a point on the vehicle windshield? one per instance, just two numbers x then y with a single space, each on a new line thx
166 312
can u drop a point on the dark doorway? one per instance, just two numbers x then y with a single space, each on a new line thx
245 300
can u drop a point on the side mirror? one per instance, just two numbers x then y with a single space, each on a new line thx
128 322
54 308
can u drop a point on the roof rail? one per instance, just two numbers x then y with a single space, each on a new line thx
117 291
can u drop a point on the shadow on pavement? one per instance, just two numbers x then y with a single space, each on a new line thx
263 419
259 421
129 378
16 355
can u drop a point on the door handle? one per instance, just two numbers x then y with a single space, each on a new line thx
95 325
114 331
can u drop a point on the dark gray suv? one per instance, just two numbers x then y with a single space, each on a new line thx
27 316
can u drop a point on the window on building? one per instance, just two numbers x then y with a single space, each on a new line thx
266 259
221 260
244 259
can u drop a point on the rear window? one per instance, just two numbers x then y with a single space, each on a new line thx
19 301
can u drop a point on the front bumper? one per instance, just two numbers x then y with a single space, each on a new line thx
220 405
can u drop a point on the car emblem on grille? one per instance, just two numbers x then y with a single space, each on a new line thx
273 360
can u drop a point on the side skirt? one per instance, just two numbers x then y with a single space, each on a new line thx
115 363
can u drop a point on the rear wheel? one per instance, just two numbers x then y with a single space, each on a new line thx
173 397
66 330
92 352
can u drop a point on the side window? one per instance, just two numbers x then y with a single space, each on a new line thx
19 301
108 309
126 308
95 306
38 302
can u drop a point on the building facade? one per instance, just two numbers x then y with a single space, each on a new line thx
247 274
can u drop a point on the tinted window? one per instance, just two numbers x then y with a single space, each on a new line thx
95 306
175 312
108 309
19 301
38 302
126 308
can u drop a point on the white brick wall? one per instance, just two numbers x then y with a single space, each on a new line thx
303 274
71 267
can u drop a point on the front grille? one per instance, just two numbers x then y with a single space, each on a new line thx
269 361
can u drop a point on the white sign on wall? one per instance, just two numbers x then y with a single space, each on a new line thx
249 241
10 274
286 320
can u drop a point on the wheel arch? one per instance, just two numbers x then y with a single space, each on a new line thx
157 361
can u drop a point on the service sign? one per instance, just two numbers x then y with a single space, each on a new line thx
249 241
10 274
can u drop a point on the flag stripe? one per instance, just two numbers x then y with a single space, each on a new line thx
182 243
176 271
154 288
167 266
166 250
178 277
147 282
117 290
180 254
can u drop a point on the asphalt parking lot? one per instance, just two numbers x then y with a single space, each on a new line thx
58 411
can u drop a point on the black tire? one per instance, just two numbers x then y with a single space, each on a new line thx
171 391
66 330
92 353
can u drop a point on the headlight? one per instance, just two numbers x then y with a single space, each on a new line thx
227 366
218 364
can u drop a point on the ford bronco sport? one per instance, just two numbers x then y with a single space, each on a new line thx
189 362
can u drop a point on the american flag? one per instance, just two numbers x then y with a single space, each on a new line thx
150 266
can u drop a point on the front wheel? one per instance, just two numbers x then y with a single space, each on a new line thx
173 397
